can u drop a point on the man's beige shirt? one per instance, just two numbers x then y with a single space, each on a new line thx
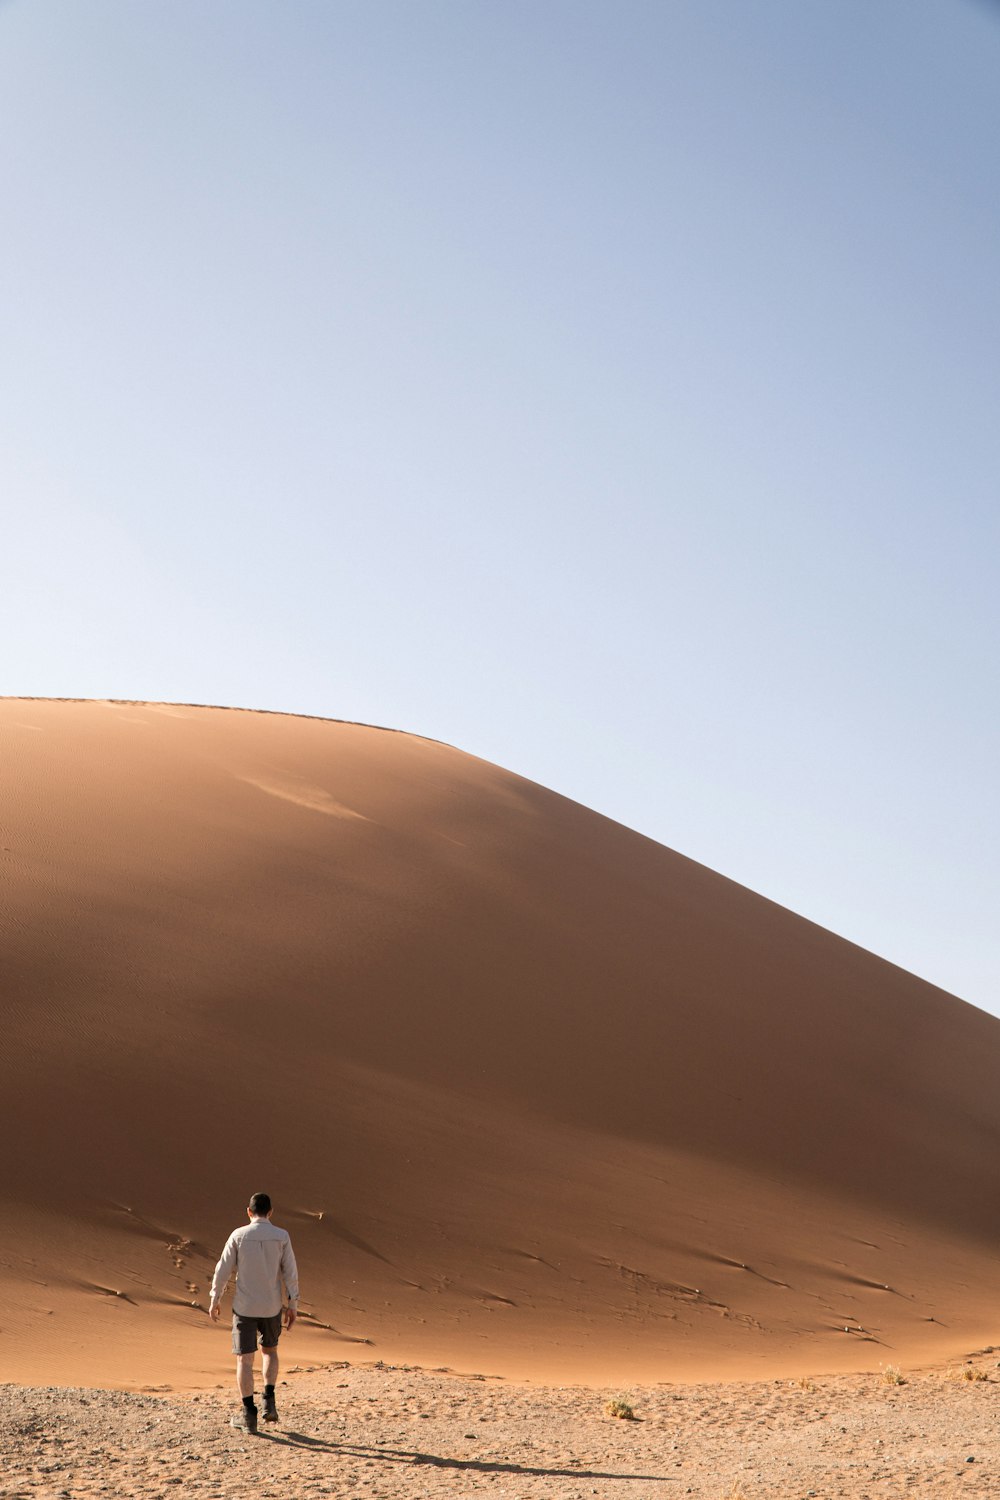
261 1255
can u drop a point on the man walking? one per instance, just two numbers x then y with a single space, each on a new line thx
261 1255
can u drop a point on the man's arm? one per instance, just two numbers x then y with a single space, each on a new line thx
290 1276
223 1271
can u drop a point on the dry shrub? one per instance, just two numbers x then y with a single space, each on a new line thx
622 1408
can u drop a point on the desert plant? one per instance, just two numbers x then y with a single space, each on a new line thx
964 1372
622 1408
735 1491
892 1375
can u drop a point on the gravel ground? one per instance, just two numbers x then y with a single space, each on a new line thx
377 1431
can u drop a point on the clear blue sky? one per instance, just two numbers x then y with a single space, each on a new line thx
607 389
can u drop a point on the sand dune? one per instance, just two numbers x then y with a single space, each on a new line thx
534 1095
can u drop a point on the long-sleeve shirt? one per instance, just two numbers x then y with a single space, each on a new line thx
261 1255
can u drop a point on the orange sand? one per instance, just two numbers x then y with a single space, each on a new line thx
534 1095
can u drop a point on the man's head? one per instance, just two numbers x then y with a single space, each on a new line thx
259 1206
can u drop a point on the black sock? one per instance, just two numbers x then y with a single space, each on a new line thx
248 1402
269 1392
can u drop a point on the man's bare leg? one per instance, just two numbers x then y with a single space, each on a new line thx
270 1381
244 1374
247 1421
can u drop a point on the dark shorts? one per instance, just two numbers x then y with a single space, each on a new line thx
246 1332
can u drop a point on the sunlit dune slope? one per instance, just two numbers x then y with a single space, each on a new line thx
533 1094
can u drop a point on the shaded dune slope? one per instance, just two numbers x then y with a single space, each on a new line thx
535 1095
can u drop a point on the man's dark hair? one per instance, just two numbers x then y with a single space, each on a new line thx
260 1203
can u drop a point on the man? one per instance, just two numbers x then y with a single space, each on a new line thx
261 1255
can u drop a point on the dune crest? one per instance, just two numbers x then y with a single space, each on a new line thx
534 1095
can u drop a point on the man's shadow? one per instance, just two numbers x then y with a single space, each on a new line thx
290 1439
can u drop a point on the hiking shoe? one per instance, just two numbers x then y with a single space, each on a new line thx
247 1420
270 1409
